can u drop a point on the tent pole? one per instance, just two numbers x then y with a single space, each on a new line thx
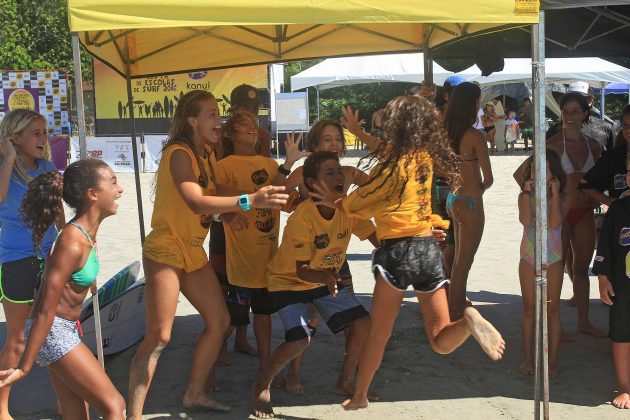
317 90
602 102
428 67
134 143
540 182
78 89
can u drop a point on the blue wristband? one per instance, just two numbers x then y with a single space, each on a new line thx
243 201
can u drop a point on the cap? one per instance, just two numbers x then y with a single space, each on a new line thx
244 95
581 87
454 80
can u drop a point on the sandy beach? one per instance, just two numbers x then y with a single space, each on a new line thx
413 381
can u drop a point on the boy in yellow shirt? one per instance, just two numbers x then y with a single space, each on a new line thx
306 270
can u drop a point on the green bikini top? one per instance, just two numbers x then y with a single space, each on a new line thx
86 275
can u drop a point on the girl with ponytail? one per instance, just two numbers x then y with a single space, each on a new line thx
90 187
24 155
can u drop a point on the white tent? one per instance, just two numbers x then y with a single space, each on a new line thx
344 71
596 71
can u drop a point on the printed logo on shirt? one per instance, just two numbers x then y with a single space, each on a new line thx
343 234
599 258
205 221
265 221
322 241
332 259
619 182
298 245
260 177
624 236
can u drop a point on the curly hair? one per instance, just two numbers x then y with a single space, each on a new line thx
411 126
42 203
315 134
228 131
461 112
313 164
555 166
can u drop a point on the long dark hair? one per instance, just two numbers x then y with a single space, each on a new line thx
412 125
229 129
580 99
620 139
315 134
461 112
42 203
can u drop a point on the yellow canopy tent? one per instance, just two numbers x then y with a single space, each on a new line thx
168 36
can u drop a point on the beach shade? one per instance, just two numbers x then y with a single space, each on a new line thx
345 71
614 87
167 36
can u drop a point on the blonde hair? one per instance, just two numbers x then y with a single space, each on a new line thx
15 122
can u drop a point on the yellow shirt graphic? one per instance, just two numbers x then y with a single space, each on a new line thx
309 237
411 216
249 251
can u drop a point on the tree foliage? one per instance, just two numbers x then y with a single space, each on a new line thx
34 34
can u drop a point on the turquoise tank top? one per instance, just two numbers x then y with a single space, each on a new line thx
86 275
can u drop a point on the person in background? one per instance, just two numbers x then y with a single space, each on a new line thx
526 119
245 97
512 131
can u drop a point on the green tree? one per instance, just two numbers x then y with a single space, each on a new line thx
34 34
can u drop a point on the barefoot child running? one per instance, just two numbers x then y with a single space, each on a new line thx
251 236
557 208
398 196
306 270
612 266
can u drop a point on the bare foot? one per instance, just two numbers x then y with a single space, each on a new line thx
590 330
204 402
261 402
223 359
211 383
245 348
293 384
488 337
526 367
571 302
621 400
351 404
566 337
346 389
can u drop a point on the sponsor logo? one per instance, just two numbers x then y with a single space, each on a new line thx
619 182
114 312
343 234
141 296
94 154
205 221
624 236
196 75
599 258
260 177
333 259
265 222
321 241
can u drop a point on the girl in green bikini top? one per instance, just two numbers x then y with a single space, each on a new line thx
90 187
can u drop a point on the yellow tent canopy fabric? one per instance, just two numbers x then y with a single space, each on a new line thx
152 37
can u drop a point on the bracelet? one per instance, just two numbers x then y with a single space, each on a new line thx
528 193
284 171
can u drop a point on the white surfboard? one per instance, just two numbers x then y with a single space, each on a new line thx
122 310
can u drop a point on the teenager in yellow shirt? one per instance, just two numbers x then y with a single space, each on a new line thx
398 197
306 270
173 255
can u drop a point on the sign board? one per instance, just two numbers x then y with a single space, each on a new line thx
292 111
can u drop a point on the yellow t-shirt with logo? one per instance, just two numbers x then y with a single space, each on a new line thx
309 237
178 233
396 215
248 251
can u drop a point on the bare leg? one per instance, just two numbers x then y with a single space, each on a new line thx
555 275
15 315
72 405
621 355
262 330
385 308
582 241
569 268
355 340
202 290
448 254
261 395
84 377
528 292
470 224
241 345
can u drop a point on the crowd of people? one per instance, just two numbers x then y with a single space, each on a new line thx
417 197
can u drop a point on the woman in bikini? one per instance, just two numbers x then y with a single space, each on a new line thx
489 119
578 155
466 207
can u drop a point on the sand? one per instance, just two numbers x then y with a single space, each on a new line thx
413 381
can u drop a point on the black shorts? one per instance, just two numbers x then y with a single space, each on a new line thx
20 279
217 251
344 271
411 261
439 192
240 299
619 317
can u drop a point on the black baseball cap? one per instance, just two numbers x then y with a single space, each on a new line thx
244 95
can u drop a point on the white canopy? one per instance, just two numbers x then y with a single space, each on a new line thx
596 71
344 71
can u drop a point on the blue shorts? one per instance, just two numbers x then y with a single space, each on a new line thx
62 338
338 312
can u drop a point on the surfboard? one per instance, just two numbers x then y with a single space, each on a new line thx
123 313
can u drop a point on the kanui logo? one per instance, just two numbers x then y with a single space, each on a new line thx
624 236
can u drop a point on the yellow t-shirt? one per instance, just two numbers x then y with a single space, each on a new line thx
380 199
248 251
178 233
309 237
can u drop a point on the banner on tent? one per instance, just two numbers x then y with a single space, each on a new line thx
155 98
43 91
117 152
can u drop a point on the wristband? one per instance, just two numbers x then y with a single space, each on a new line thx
217 217
284 171
529 193
243 202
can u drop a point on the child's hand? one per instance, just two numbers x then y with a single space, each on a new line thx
292 149
528 185
10 376
236 221
7 149
327 197
439 234
350 120
554 183
332 279
269 197
605 290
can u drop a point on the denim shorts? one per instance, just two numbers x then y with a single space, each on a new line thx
338 311
62 338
